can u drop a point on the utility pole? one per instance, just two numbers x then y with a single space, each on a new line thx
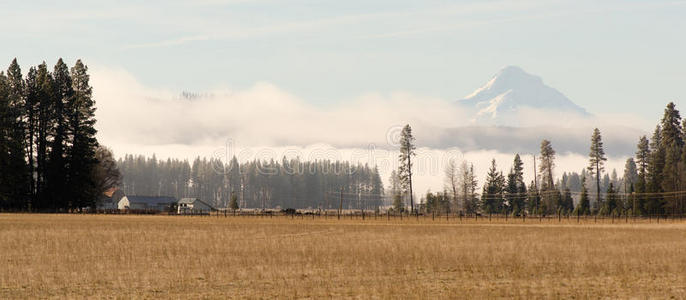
409 173
536 182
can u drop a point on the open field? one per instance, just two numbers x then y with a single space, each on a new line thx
259 257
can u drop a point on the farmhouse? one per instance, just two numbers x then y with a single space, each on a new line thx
110 199
147 203
193 206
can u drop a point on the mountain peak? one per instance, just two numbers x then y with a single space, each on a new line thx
511 89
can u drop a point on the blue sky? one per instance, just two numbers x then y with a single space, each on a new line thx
607 56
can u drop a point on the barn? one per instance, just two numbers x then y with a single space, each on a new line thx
193 206
158 203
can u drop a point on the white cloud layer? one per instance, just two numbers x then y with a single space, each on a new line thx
266 122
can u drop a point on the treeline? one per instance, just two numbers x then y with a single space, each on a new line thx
256 184
653 182
48 148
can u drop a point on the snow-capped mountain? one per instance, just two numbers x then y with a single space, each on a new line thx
511 91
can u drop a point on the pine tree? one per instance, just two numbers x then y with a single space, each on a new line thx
547 165
5 127
549 194
31 111
44 136
597 162
80 120
492 197
58 97
643 156
672 143
16 144
584 206
642 162
407 148
516 188
654 203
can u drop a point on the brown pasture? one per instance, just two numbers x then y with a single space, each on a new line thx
125 256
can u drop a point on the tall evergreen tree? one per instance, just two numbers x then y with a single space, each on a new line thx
516 188
596 162
407 148
642 163
56 171
654 203
46 115
550 196
31 111
5 127
80 121
19 179
547 165
672 143
643 157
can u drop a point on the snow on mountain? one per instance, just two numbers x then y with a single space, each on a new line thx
512 90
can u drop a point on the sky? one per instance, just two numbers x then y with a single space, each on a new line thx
310 69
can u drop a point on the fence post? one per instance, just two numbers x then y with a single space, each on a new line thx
340 205
578 215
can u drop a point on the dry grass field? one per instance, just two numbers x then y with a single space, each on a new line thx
75 256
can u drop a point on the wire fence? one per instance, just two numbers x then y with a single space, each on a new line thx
417 216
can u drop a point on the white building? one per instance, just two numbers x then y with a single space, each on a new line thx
193 206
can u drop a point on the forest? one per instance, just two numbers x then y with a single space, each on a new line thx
50 159
290 183
652 182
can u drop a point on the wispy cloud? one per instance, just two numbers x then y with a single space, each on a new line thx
427 15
